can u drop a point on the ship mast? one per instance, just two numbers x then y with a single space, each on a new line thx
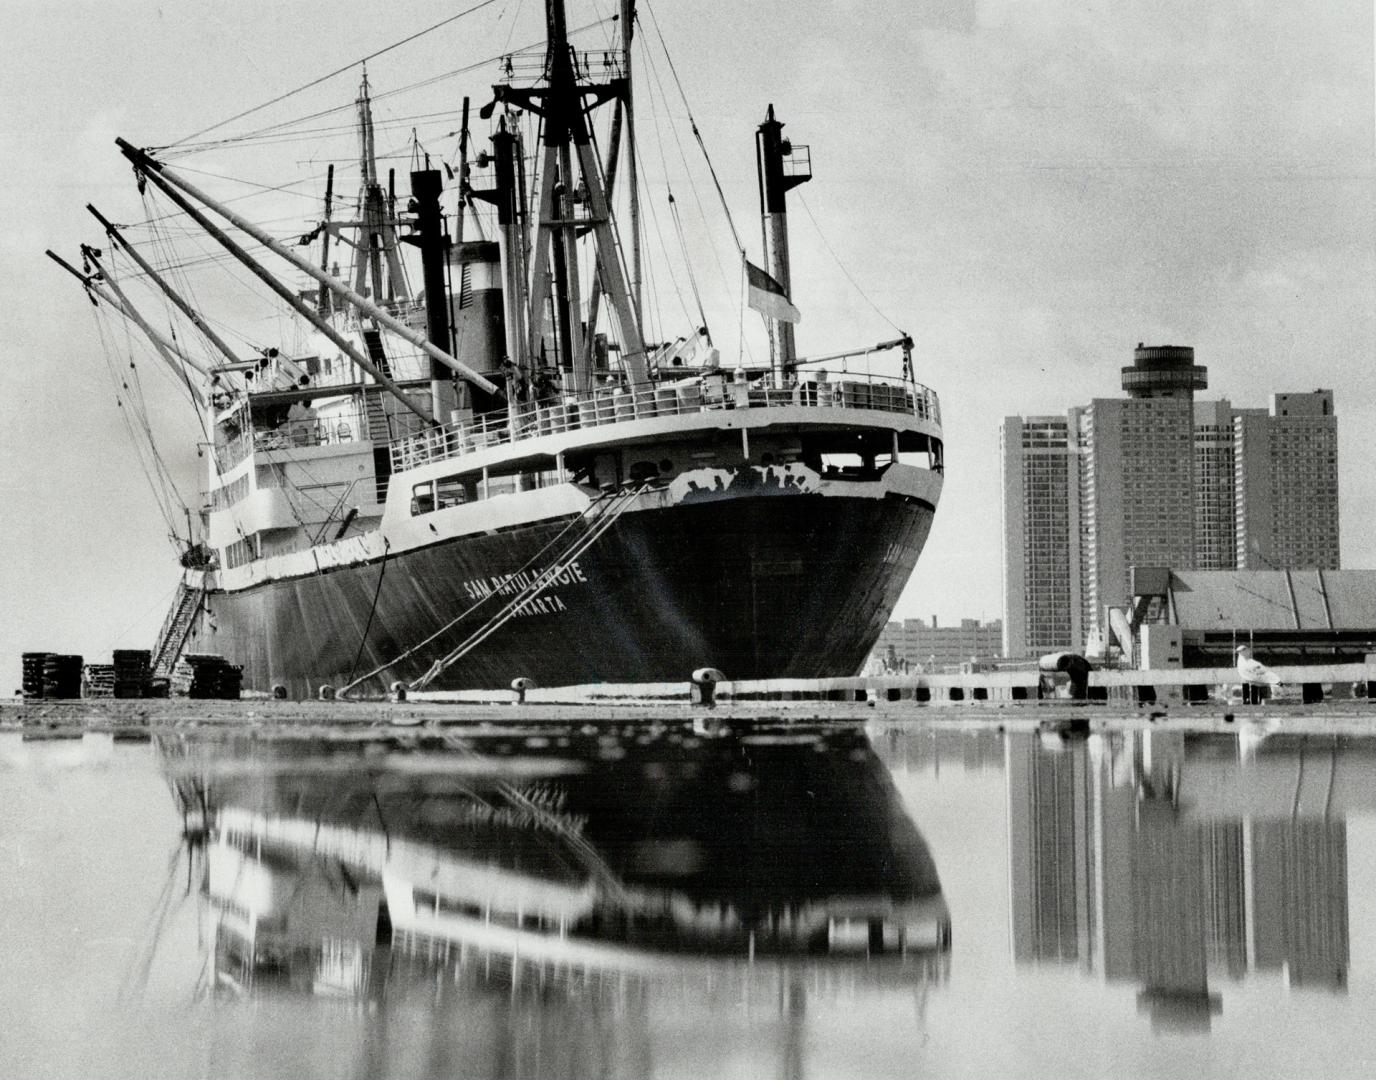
378 239
633 191
562 187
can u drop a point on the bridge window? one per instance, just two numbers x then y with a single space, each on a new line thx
455 491
423 498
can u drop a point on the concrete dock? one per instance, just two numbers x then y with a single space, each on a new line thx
134 719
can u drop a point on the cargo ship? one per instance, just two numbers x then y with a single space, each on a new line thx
497 475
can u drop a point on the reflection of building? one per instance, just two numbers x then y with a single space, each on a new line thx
1108 871
1051 856
1299 900
1156 478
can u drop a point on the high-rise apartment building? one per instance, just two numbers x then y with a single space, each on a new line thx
1157 479
1041 551
1287 481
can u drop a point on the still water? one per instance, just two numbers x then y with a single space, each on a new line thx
687 901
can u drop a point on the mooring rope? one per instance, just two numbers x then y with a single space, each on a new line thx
582 516
542 582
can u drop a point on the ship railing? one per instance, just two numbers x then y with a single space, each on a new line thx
333 430
232 450
614 405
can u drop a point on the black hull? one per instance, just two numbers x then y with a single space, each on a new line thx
795 586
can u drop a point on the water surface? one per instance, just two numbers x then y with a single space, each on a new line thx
687 900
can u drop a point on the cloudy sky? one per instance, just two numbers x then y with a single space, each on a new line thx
1029 189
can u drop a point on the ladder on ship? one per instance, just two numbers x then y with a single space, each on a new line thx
176 628
377 417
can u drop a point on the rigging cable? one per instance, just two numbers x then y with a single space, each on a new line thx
272 129
158 485
531 591
663 247
582 515
696 133
692 278
338 71
363 638
688 174
842 266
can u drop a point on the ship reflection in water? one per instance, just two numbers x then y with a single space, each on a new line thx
782 899
586 874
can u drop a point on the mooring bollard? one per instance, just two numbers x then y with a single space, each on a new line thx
703 688
1074 666
279 692
519 686
398 691
326 693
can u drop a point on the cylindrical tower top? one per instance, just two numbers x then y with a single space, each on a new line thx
1164 371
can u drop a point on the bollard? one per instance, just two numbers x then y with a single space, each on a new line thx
398 691
519 686
703 688
279 692
1075 667
326 692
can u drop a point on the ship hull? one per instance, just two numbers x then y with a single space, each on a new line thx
796 586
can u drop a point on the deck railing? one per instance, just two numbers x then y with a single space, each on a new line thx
619 404
347 427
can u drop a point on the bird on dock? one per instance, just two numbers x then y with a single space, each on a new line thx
1253 672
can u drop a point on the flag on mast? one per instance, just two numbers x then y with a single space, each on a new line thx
767 296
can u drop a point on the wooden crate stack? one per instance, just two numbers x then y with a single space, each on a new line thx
98 681
61 676
132 672
33 674
205 676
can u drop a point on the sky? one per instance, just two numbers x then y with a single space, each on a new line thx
1027 189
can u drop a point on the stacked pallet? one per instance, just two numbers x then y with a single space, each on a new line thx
98 681
33 673
205 676
61 676
132 672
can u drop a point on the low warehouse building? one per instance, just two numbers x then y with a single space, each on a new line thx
1199 618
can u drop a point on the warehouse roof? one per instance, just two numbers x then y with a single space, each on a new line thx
1274 599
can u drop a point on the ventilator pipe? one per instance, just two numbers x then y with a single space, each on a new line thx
1075 667
398 691
326 692
519 686
703 687
279 692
